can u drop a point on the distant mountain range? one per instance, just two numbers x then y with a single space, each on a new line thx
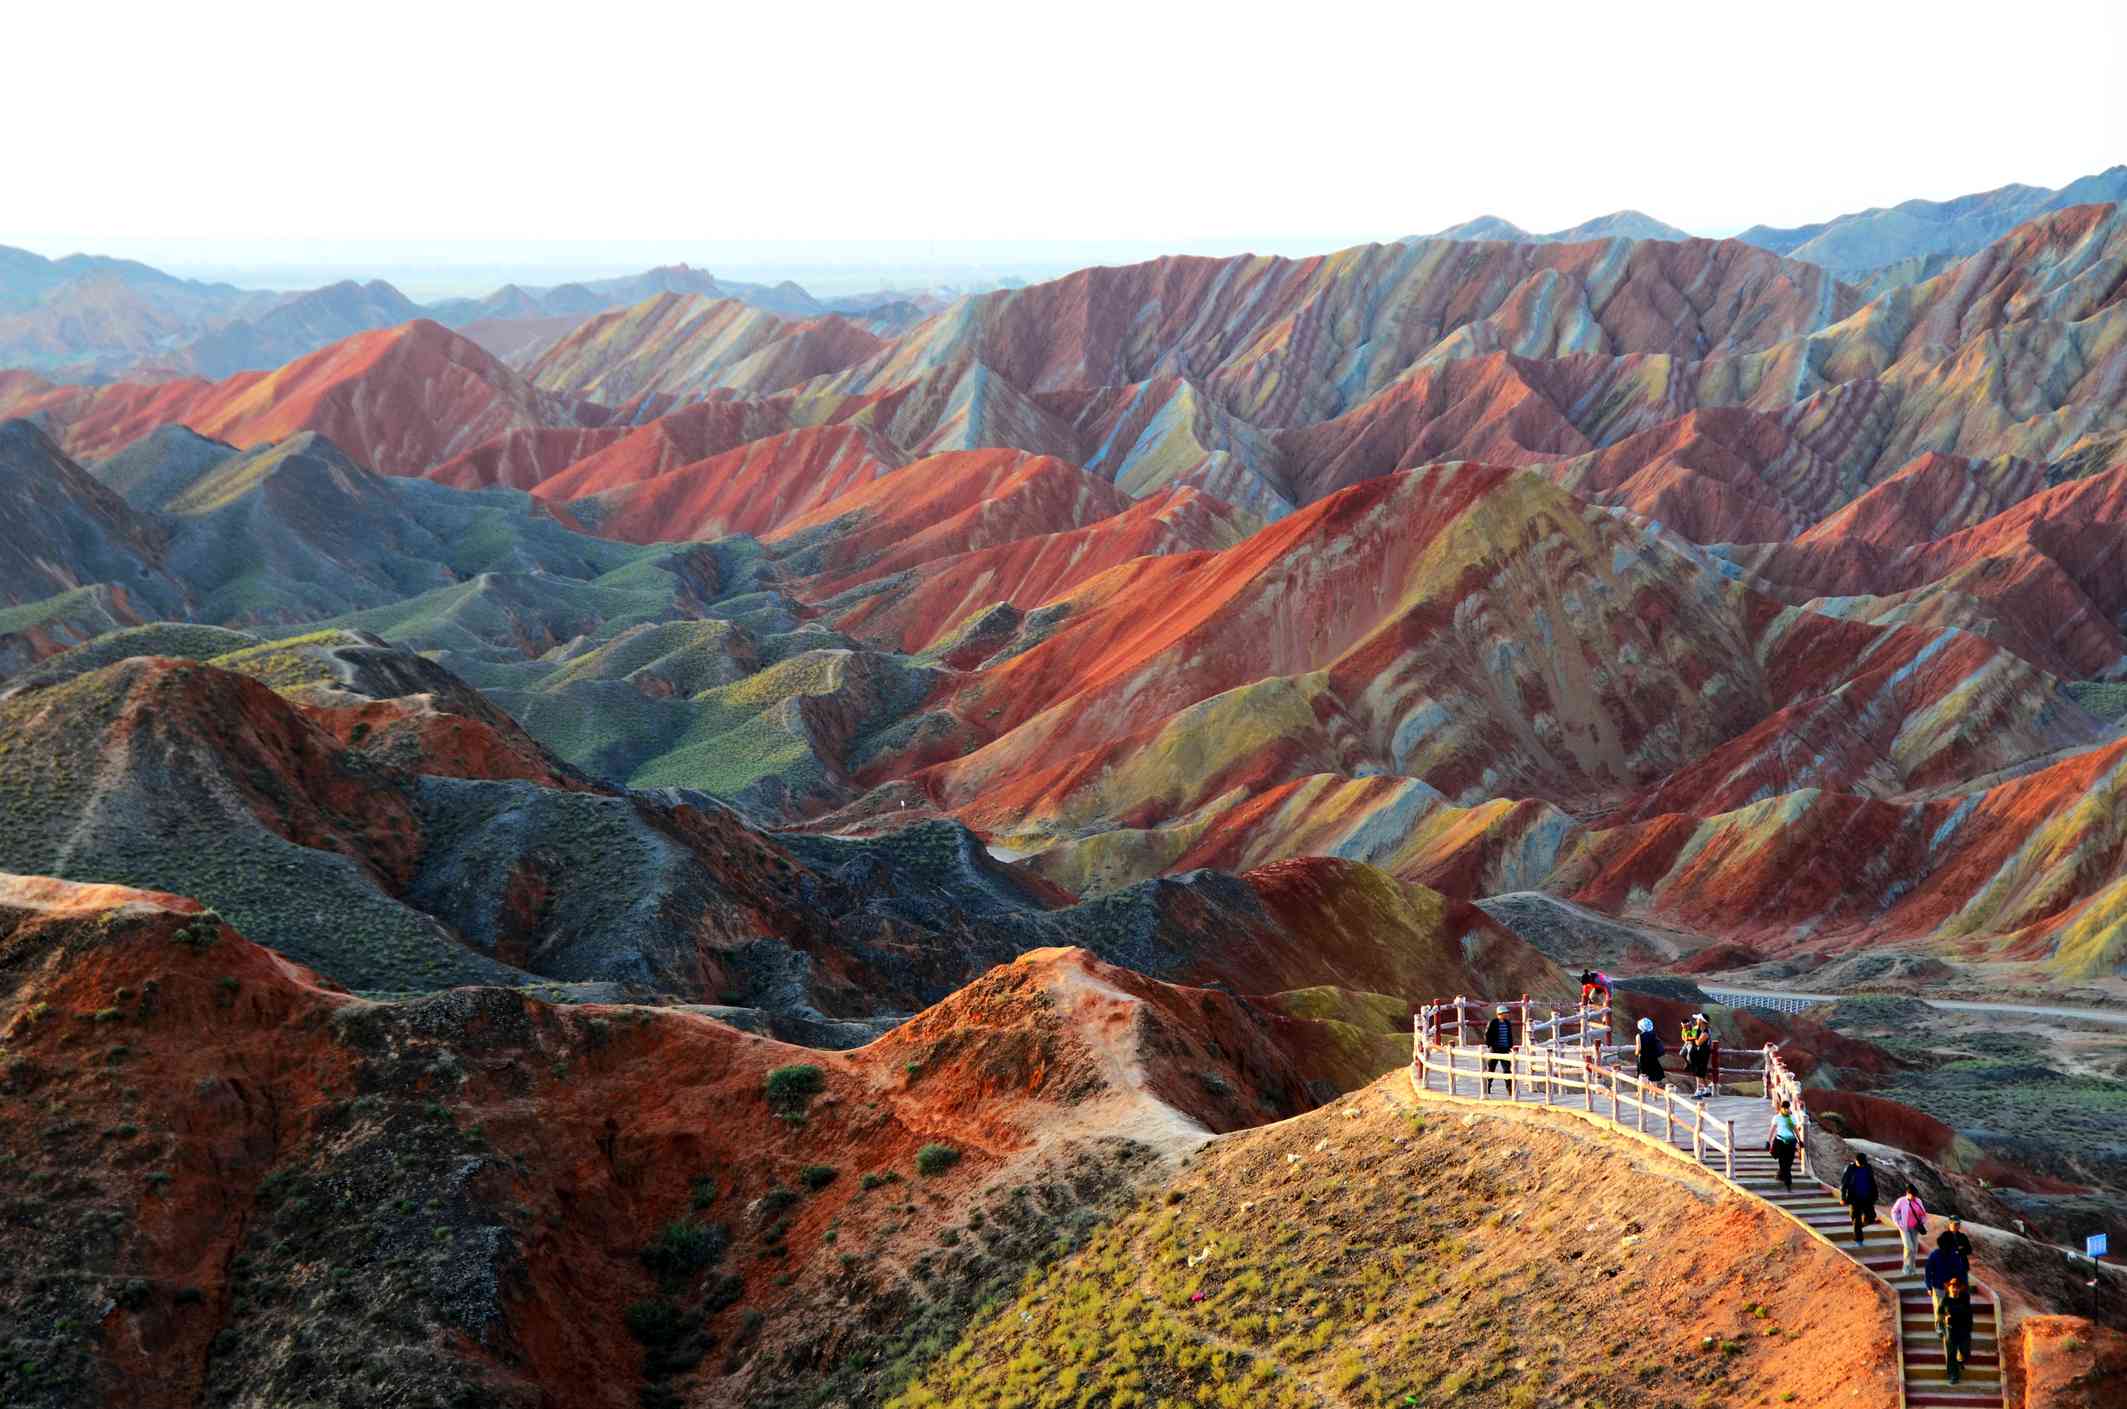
1498 565
85 317
1617 225
1879 248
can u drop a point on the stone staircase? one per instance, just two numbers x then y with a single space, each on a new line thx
1927 1380
1927 1384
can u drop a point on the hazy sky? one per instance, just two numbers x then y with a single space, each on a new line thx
258 133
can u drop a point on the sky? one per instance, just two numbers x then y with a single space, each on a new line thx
981 136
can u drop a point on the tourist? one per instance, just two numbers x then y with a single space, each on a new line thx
1594 988
1945 1265
1910 1217
1499 1040
1955 1318
1958 1238
1782 1140
1647 1053
1698 1055
1857 1190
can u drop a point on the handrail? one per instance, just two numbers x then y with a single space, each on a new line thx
1461 1013
1542 1069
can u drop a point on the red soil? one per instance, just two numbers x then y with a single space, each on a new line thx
593 1159
756 488
399 400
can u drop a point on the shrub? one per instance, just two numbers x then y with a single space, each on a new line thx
791 1089
817 1176
704 1191
682 1247
936 1159
775 1201
656 1322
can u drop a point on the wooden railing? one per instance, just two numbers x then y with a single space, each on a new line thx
1580 1078
1571 1052
1459 1021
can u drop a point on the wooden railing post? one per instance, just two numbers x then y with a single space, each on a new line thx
1669 1109
1639 1104
1698 1134
1729 1154
1587 1085
1458 1020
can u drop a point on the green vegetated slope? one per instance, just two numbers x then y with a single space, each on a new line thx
1381 1252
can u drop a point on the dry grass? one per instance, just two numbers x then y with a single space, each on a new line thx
1378 1261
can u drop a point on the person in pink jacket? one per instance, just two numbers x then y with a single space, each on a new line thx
1910 1217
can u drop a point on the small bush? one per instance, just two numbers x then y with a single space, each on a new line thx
934 1159
817 1176
791 1089
656 1322
775 1201
682 1247
704 1192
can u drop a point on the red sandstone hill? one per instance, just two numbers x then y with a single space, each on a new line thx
756 488
2044 573
400 400
492 1178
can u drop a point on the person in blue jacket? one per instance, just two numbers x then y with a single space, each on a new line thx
1499 1040
1945 1265
1857 1190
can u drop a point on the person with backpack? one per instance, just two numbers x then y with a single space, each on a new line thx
1782 1139
1647 1053
1698 1055
1910 1217
1857 1190
1499 1041
1955 1316
1945 1265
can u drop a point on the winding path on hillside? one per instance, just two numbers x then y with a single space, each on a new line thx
1817 1208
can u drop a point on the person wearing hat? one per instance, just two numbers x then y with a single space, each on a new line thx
1959 1239
1698 1055
1499 1040
1945 1265
1647 1053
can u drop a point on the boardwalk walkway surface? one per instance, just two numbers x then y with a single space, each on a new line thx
1811 1203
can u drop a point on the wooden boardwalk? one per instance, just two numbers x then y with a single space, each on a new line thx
1700 1131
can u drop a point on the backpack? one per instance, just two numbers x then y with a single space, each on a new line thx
1651 1047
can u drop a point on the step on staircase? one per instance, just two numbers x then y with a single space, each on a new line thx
1927 1377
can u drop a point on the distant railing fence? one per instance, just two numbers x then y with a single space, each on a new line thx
1566 1059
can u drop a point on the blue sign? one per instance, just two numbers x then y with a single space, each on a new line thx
2095 1245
